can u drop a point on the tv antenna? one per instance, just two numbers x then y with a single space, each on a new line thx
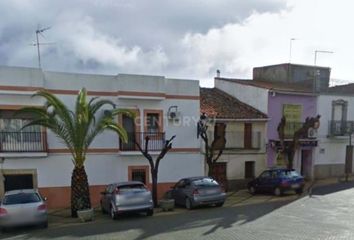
40 31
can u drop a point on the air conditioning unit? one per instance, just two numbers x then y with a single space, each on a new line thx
312 133
174 116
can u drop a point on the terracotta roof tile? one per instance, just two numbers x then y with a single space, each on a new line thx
218 104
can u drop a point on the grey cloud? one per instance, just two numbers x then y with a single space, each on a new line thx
140 36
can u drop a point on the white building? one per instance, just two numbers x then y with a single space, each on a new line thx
336 108
36 158
244 156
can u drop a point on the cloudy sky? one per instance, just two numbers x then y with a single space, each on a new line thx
178 38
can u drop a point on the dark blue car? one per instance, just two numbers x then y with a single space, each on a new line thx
277 181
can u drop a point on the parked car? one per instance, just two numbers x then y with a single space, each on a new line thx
277 181
197 191
23 207
123 197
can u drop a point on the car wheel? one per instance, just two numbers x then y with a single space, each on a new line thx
277 191
299 191
149 212
44 225
252 190
189 204
113 214
219 204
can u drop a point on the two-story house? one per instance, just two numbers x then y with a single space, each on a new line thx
34 157
277 98
244 156
337 125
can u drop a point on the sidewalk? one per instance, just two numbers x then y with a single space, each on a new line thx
62 217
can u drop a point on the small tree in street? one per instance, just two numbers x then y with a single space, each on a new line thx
214 150
77 129
290 148
154 165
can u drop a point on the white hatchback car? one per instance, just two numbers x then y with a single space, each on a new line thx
23 207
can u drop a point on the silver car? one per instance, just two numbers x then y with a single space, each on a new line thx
197 191
126 197
23 207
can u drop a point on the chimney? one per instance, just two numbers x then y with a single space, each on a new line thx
217 73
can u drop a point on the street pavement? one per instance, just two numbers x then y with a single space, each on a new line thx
327 214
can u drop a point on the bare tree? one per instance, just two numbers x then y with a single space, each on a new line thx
214 150
154 165
290 148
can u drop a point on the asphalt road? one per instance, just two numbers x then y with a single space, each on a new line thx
328 214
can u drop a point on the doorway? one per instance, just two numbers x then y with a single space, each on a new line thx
18 181
129 126
219 174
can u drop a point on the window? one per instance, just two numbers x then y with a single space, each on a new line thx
265 174
152 122
138 173
11 130
21 198
205 182
248 136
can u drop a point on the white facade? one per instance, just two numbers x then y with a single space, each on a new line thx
106 163
330 153
254 96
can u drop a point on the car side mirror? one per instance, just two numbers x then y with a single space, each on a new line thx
103 193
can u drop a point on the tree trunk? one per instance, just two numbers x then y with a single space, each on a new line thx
290 159
154 187
80 192
210 169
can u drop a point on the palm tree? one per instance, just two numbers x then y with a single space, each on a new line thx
77 130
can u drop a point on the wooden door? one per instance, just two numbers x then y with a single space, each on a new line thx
248 136
219 174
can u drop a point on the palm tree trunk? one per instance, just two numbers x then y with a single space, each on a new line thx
80 192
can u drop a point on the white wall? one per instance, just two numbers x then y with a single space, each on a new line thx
55 170
253 96
331 150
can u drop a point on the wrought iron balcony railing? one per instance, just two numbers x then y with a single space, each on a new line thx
290 128
236 140
22 141
156 141
340 128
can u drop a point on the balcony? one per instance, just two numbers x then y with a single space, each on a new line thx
340 128
235 140
290 128
23 142
156 141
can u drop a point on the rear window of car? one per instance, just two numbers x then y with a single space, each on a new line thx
132 188
289 174
21 198
205 182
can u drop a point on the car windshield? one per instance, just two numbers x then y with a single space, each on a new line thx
21 198
289 174
132 188
205 182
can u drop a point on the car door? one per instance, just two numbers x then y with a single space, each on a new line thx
178 192
263 181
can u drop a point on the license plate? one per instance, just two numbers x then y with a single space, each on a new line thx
295 185
210 191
